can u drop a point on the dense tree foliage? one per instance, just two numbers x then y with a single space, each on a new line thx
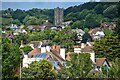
10 58
78 24
97 75
108 47
22 37
39 70
19 14
91 13
26 49
63 37
117 29
31 20
78 67
111 12
114 71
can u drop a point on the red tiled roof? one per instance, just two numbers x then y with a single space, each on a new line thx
100 61
93 31
34 52
57 54
77 46
35 26
87 49
47 24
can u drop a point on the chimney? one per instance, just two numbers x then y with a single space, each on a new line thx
48 48
82 45
46 20
43 48
54 47
21 44
40 44
92 56
25 56
62 52
32 46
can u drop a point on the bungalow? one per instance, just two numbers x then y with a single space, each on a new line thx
67 23
54 54
110 25
10 36
34 27
96 33
46 25
100 62
13 27
16 32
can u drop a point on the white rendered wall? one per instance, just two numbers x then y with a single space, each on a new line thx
77 50
43 50
92 56
62 53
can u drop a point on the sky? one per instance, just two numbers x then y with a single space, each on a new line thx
42 5
45 0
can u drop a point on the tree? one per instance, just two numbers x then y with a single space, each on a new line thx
26 49
31 20
10 58
108 47
16 21
114 71
39 70
83 14
6 21
97 75
19 14
91 21
117 28
99 9
64 37
111 12
24 37
78 67
108 32
78 24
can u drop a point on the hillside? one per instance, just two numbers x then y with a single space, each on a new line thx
87 15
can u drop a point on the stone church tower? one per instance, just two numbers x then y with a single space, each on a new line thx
58 16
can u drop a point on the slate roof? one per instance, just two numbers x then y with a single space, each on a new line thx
35 43
47 24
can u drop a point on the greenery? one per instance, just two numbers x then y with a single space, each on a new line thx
84 16
98 75
22 37
62 37
90 14
26 49
108 32
39 70
78 67
10 58
87 15
108 47
114 71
